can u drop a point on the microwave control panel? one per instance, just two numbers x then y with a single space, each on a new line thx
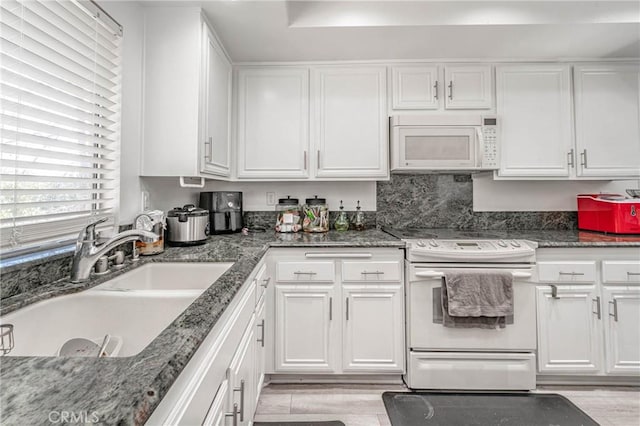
490 142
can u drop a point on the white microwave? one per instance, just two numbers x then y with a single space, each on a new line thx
444 142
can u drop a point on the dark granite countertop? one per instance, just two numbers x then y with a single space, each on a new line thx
127 390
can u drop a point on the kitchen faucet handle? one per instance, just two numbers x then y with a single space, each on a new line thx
89 232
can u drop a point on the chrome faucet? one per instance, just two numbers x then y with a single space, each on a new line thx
88 251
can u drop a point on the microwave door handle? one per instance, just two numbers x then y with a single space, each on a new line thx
480 145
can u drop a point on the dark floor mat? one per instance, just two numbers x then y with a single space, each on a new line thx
482 409
331 423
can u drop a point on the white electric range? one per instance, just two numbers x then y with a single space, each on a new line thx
440 357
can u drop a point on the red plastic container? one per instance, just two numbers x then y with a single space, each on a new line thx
609 213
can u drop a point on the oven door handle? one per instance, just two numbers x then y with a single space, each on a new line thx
436 274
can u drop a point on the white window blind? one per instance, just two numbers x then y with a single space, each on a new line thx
60 70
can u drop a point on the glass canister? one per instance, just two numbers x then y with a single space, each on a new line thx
316 215
288 215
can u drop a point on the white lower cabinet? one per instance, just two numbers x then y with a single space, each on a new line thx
568 329
349 321
223 378
622 329
373 336
305 328
589 329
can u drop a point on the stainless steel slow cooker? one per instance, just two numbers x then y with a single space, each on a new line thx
187 226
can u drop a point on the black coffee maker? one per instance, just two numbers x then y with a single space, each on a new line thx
225 211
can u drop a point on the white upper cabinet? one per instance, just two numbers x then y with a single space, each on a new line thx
217 105
415 87
468 86
186 87
273 123
349 122
534 107
424 86
607 108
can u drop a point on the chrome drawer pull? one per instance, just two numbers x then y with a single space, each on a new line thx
614 302
598 311
435 88
265 282
261 339
340 255
629 273
573 274
305 273
554 291
233 414
330 308
347 308
241 390
372 272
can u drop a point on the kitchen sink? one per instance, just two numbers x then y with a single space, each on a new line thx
132 309
167 276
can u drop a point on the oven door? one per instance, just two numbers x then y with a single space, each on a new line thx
424 310
435 147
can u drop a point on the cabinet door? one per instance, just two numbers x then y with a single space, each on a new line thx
534 106
273 123
349 127
260 348
415 87
468 87
216 107
622 334
373 337
569 329
241 376
608 120
306 327
220 410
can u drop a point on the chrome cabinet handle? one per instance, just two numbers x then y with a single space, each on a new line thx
554 291
208 143
614 302
265 282
435 88
573 274
241 390
347 308
305 159
261 339
372 272
233 414
318 159
305 273
340 255
583 158
330 308
598 311
629 274
571 159
450 89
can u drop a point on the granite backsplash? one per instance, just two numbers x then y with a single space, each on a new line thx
446 201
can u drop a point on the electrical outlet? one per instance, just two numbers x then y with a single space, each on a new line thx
271 198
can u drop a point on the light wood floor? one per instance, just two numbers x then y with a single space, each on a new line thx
361 405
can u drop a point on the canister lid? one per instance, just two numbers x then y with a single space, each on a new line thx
187 210
315 200
288 200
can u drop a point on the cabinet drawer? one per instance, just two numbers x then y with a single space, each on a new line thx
621 271
570 272
305 271
371 271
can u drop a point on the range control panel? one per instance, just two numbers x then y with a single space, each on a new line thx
471 249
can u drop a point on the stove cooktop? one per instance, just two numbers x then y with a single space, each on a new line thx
450 234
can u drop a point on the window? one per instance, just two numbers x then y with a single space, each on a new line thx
59 120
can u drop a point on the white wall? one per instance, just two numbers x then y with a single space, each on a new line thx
165 193
130 16
502 195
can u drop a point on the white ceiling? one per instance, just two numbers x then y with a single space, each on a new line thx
369 30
